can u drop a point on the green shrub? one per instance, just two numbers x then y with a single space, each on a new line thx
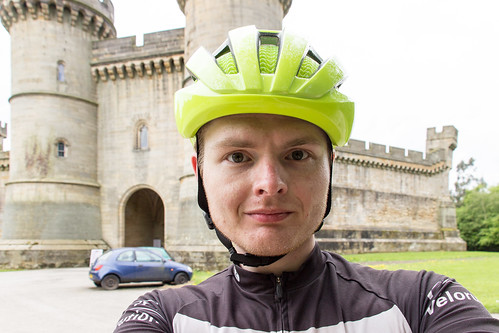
478 219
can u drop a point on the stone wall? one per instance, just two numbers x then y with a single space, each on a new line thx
134 93
390 199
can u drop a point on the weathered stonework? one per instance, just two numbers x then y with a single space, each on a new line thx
49 197
126 178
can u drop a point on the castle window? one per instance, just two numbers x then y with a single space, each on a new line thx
60 71
61 148
142 137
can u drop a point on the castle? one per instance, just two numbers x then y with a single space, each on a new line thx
96 160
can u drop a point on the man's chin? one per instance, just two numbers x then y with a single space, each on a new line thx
265 251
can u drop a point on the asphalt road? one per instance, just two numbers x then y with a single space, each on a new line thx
61 300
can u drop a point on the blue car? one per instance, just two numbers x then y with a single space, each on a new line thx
135 264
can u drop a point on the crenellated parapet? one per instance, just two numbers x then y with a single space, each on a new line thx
374 155
444 140
95 16
161 53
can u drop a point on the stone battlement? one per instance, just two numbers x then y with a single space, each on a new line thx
358 147
122 49
447 132
162 52
95 16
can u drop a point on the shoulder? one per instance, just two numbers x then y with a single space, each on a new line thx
381 282
430 302
157 309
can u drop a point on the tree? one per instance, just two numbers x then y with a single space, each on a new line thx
478 218
466 180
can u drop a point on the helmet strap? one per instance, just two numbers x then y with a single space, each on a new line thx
329 202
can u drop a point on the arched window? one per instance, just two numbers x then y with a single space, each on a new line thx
60 71
141 136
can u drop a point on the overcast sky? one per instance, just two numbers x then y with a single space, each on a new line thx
411 64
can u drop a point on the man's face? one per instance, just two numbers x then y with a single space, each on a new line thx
266 178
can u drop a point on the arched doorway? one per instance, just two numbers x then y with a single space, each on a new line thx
144 219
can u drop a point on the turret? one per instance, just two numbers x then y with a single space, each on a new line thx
52 196
445 140
207 24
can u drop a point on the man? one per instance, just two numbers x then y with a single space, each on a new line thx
264 114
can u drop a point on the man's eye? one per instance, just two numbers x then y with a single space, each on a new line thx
298 155
237 157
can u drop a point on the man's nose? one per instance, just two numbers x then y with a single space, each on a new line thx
269 179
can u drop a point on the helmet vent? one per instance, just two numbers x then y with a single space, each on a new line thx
226 61
309 65
268 53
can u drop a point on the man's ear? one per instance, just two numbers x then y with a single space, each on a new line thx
194 162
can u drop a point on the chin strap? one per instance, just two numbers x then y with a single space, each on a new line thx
238 258
249 259
329 202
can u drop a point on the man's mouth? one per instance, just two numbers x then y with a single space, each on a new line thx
268 215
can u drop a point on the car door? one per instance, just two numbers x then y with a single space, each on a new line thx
150 267
126 266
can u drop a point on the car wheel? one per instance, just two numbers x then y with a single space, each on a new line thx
110 282
181 278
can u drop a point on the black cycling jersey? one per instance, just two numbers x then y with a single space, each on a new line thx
327 294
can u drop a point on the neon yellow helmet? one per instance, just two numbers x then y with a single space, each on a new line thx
260 71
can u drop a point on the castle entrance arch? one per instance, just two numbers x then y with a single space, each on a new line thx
144 219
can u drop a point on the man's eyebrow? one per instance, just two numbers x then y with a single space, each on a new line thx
245 143
234 142
309 139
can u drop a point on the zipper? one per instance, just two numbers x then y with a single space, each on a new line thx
278 288
278 299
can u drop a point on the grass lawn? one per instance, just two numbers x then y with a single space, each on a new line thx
477 271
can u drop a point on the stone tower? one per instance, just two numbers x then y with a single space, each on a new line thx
207 24
52 195
444 143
